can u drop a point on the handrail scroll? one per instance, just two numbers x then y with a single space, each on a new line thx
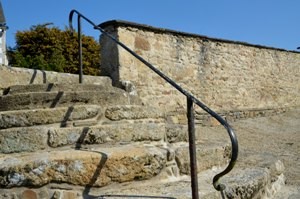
191 100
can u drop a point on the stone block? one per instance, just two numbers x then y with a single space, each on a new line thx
69 195
29 194
176 133
141 43
110 133
63 99
131 112
98 168
208 156
23 118
23 139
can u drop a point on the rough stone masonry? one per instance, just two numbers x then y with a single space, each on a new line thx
225 75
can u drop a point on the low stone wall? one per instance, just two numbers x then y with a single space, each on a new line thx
225 75
21 76
205 119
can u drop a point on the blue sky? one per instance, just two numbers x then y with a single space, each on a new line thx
274 23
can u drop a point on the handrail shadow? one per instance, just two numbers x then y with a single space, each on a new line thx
87 188
33 77
67 116
56 99
81 138
49 87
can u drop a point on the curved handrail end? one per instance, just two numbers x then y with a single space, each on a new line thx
70 20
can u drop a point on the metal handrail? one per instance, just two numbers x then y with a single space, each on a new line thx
79 16
190 115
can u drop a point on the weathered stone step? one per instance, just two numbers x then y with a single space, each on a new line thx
178 187
209 154
111 133
52 87
24 139
80 115
20 76
62 115
255 176
132 112
69 98
252 183
98 167
264 180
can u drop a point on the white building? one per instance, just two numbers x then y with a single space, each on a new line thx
3 28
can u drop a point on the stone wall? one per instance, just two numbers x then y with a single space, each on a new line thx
225 75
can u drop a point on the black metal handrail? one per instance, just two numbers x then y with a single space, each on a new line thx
190 113
79 16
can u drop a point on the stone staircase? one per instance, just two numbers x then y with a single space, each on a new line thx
86 140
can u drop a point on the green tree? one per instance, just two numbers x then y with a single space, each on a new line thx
49 48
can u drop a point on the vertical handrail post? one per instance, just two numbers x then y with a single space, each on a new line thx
192 148
80 50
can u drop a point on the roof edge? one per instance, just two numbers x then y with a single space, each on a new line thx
123 23
2 16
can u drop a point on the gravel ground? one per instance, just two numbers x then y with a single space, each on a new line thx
278 135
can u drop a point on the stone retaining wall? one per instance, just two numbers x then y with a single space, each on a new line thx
205 119
225 75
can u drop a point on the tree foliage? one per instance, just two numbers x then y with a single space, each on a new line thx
49 48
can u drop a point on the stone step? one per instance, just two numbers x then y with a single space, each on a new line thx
30 139
208 154
256 176
264 180
69 98
20 76
52 87
123 133
61 115
41 137
79 115
98 166
258 182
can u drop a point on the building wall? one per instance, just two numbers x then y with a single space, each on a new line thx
3 28
3 57
1 51
225 75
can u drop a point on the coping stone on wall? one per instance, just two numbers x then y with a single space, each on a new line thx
122 23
